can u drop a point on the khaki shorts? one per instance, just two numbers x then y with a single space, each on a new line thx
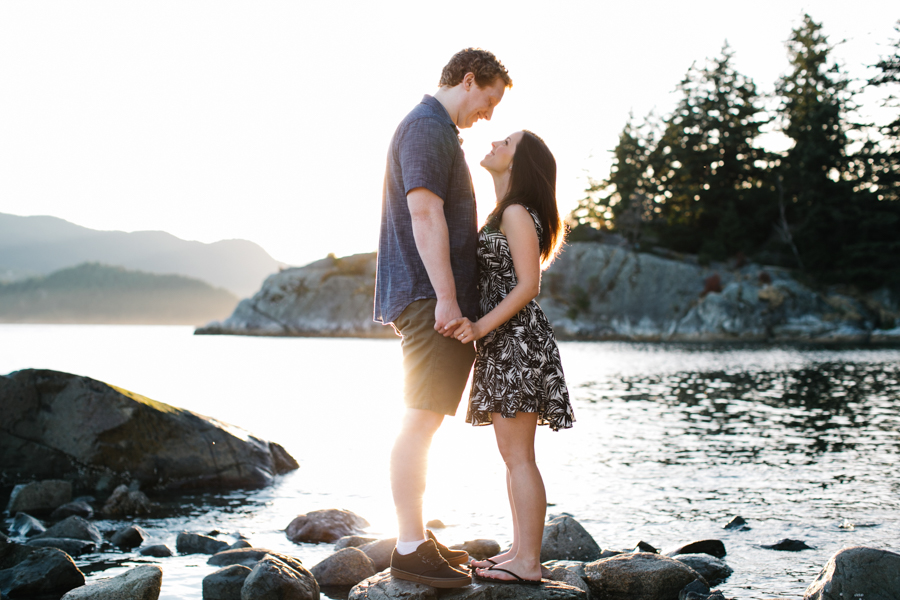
436 367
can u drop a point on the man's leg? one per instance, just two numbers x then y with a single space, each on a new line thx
409 467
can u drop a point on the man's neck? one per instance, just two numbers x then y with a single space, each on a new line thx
449 101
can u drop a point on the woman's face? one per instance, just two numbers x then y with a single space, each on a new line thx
500 158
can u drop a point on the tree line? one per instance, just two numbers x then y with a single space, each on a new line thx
696 181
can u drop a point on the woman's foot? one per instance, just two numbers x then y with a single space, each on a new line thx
487 563
515 568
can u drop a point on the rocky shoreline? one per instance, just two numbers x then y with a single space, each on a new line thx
597 291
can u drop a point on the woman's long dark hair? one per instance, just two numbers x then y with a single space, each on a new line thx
532 183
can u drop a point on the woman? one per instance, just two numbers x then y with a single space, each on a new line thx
518 382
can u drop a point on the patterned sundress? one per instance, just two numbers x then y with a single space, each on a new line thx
517 366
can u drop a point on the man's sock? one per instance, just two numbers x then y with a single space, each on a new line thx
408 547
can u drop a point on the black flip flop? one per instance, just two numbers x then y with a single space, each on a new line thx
516 581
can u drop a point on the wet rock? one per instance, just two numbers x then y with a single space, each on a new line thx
81 509
384 587
643 546
352 541
226 583
565 539
38 496
344 568
26 571
60 426
250 556
73 527
157 551
858 572
696 590
196 543
240 544
713 570
124 502
641 576
737 523
788 545
69 546
380 552
480 548
140 583
573 566
435 524
325 526
712 547
569 577
128 537
272 579
27 525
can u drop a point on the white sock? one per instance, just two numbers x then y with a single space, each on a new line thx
409 547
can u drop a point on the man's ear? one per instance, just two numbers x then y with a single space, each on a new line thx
468 81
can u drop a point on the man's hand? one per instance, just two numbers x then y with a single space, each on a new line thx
446 311
464 330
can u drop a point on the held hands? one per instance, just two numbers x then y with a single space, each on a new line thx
463 329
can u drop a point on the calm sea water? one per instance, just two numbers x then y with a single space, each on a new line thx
670 443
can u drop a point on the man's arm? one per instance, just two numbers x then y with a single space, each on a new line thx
433 243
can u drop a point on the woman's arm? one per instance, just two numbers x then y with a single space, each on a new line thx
518 227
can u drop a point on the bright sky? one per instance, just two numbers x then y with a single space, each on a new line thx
270 121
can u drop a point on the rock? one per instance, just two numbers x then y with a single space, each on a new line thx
226 583
35 497
344 568
70 546
81 509
640 576
435 524
157 551
352 541
240 544
272 579
788 545
196 543
26 571
26 525
58 425
128 537
479 549
383 587
573 566
565 539
332 297
250 556
324 526
645 547
568 577
713 570
712 547
139 583
858 572
380 552
73 527
126 503
696 590
737 523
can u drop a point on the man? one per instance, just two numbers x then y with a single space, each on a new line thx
427 276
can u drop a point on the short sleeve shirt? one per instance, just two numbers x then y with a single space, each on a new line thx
425 152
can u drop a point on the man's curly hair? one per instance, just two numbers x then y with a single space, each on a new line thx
483 64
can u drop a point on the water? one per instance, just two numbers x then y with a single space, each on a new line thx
670 442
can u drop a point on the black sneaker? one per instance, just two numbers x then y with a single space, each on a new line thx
426 565
454 557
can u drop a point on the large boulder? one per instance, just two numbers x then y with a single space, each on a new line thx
226 583
858 572
75 528
197 543
272 579
70 427
714 570
565 539
384 587
638 576
325 526
140 583
33 572
37 496
345 567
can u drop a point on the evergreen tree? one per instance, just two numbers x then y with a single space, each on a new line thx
883 157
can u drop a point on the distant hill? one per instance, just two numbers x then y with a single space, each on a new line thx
95 293
41 245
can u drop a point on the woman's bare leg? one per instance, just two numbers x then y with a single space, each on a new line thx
504 556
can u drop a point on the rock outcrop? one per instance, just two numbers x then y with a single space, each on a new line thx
638 576
565 539
98 436
858 572
594 291
384 587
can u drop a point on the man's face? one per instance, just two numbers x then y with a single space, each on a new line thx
479 102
